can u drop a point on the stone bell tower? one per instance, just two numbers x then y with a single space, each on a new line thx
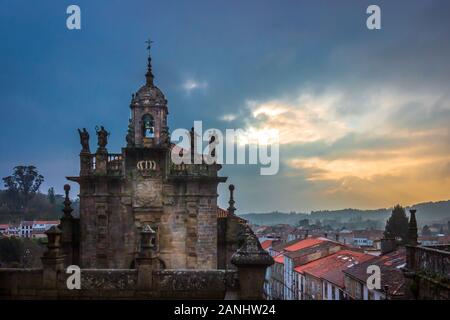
148 123
123 192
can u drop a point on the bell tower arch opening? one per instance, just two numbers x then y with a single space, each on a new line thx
148 123
148 126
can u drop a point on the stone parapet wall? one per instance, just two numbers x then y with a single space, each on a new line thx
120 284
431 259
427 272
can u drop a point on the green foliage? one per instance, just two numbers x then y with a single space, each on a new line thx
397 224
51 195
19 252
10 250
302 223
21 199
22 186
39 208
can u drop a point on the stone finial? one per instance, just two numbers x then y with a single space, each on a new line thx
149 75
251 253
412 228
54 242
52 260
251 261
146 262
147 241
67 203
231 209
148 229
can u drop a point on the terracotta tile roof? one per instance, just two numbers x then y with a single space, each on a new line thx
305 243
300 244
325 245
391 274
266 244
279 259
330 268
280 246
4 226
444 239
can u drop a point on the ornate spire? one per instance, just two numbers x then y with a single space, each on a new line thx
412 228
149 75
231 209
67 203
251 252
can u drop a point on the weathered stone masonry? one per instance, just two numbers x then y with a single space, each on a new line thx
119 193
148 229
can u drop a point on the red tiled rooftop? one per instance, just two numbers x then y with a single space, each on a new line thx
266 244
305 243
279 259
330 268
391 273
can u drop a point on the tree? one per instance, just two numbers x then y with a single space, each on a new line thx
397 224
10 250
51 195
302 223
22 185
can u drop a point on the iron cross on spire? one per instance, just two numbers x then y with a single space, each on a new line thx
149 44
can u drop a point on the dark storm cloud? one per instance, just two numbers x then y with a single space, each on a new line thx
54 80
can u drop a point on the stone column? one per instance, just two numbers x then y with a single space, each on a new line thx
251 261
101 161
192 230
146 260
67 228
53 260
85 163
409 271
101 156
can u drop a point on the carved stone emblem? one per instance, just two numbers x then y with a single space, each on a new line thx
145 165
147 193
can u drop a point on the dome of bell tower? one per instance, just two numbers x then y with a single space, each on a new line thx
148 123
149 95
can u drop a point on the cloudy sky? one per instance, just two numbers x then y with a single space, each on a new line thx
363 115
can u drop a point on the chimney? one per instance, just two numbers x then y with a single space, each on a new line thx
412 228
337 236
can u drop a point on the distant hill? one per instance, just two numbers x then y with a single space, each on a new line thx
39 208
274 218
427 213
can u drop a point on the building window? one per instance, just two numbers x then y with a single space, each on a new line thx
148 126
